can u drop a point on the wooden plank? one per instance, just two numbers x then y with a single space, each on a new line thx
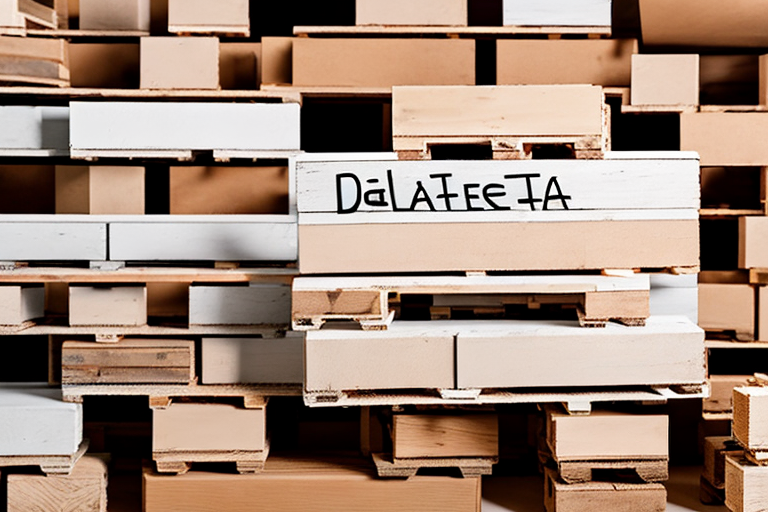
667 79
162 274
730 139
721 392
327 485
179 62
417 436
253 360
35 128
469 467
746 488
100 190
590 496
239 305
108 305
752 245
451 32
728 307
509 354
85 489
383 62
584 13
114 15
408 12
38 13
52 241
229 17
605 62
19 304
676 295
253 395
750 408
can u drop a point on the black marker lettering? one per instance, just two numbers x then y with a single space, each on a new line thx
421 191
487 195
530 199
339 199
445 194
556 197
391 182
468 196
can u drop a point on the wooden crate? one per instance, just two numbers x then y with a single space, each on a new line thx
19 304
554 13
34 61
115 15
108 305
104 190
591 496
410 12
728 307
510 119
301 484
129 361
410 224
253 360
34 131
665 79
228 17
85 489
745 485
179 62
255 304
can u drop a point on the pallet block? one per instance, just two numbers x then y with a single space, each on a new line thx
728 307
591 496
183 433
750 409
254 304
19 304
27 238
605 62
420 436
675 295
409 12
228 17
179 62
34 61
117 15
746 485
716 449
382 62
128 362
555 13
100 190
752 242
469 467
509 118
83 490
297 485
721 392
727 138
253 360
108 305
665 79
358 219
34 131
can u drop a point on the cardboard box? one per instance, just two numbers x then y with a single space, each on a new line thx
100 190
253 360
665 79
179 63
129 15
108 305
256 304
411 12
753 248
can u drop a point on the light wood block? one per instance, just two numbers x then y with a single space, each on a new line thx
716 448
410 12
704 23
296 485
665 79
253 360
19 304
101 190
728 307
108 305
84 490
721 392
444 435
605 62
34 61
728 139
130 15
383 62
509 354
746 485
753 242
209 17
750 414
591 496
39 131
128 362
675 295
35 421
240 305
179 62
27 239
557 13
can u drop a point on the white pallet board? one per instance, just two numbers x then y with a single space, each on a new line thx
575 13
676 295
253 360
33 131
26 238
21 303
240 305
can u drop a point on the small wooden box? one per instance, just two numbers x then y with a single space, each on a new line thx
443 435
100 190
594 496
746 485
108 305
411 12
128 362
120 15
750 417
665 79
558 13
179 63
19 304
240 305
228 17
728 307
84 490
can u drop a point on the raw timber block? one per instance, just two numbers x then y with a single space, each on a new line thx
38 61
104 65
750 414
104 129
728 307
240 305
704 23
209 17
746 485
411 12
676 295
34 131
253 360
513 353
553 13
179 62
297 485
729 139
753 242
108 305
665 79
387 217
592 496
445 435
83 490
35 421
128 362
30 238
130 15
383 62
605 62
19 304
721 392
99 190
406 356
716 448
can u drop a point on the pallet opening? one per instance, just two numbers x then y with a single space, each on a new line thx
461 151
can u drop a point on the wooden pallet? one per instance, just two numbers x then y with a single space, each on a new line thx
649 470
49 464
388 467
375 301
181 462
451 32
161 395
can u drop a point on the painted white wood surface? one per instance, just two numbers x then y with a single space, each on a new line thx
411 12
183 126
21 303
676 295
34 421
208 16
240 305
35 128
253 360
578 13
114 305
51 241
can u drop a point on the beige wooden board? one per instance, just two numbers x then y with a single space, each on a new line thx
591 496
147 275
209 17
83 490
404 30
49 464
327 485
746 485
750 410
286 95
58 326
179 63
418 436
667 79
180 462
469 467
253 360
647 470
752 242
728 307
727 138
411 13
160 393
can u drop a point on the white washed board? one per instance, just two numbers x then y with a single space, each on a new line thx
34 131
549 13
240 305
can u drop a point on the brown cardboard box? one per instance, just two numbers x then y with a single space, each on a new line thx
104 65
179 63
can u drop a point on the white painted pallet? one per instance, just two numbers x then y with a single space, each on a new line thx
18 304
546 13
50 238
253 360
240 305
27 131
